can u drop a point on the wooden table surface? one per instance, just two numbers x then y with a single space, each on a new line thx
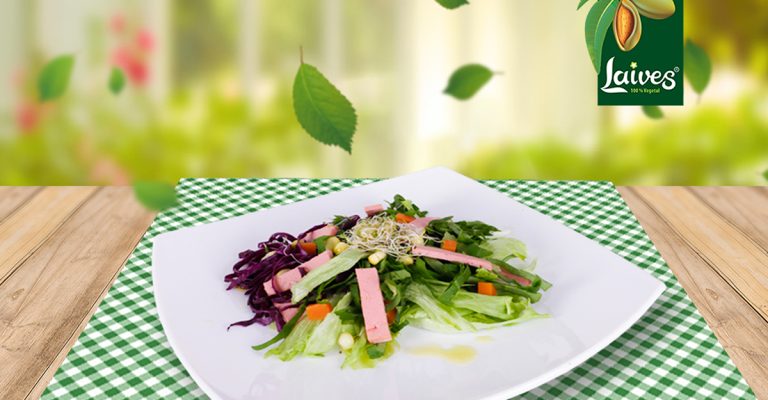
62 247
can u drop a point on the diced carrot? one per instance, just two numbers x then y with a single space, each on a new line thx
317 312
309 247
404 219
486 288
391 314
449 245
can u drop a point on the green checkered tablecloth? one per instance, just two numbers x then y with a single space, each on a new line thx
669 353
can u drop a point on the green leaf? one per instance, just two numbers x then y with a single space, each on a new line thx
54 78
116 81
653 112
698 67
322 110
599 19
581 4
155 195
765 174
468 80
452 4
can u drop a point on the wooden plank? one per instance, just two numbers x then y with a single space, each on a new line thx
45 303
746 208
738 259
740 328
11 197
32 223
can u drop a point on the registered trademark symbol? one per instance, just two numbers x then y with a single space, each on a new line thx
677 69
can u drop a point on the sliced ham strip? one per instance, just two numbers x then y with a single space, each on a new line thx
451 256
286 310
283 282
317 261
372 303
374 209
517 278
289 278
328 230
422 222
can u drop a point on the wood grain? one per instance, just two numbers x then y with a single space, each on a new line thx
739 327
737 258
47 301
22 232
746 208
11 197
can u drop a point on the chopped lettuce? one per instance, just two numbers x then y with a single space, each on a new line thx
505 248
422 296
501 307
324 337
364 354
343 262
296 341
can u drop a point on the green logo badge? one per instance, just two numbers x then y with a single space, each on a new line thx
637 51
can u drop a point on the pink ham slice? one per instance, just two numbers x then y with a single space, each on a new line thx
328 230
286 310
374 209
289 278
517 278
422 222
451 256
372 302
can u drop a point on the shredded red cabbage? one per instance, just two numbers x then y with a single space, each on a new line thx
256 267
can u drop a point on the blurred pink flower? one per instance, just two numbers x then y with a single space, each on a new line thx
117 23
134 67
27 116
137 72
145 40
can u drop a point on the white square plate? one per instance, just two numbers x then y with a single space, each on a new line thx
596 296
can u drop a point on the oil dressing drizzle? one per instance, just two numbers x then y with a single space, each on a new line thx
458 354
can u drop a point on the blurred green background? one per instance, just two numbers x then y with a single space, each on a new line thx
209 93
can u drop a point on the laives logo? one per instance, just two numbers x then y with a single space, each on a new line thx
637 51
615 81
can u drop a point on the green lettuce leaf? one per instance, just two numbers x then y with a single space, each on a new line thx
422 296
316 277
504 248
324 337
296 341
502 307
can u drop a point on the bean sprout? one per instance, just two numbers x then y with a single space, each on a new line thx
382 233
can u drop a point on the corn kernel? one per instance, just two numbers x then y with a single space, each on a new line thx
376 257
340 248
406 259
331 242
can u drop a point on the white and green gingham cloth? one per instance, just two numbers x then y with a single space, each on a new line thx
670 353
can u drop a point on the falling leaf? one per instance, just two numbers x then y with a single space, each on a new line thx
653 112
322 110
156 196
452 4
468 80
54 78
116 81
599 19
581 4
698 67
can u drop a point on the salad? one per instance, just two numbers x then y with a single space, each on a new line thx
353 284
